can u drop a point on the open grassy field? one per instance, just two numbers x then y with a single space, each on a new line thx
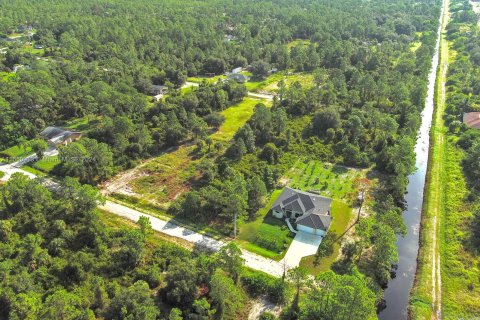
36 172
304 78
460 266
207 79
235 117
83 124
163 179
298 42
342 219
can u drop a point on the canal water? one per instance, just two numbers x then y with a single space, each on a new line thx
398 292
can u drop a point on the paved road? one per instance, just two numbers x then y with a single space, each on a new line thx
252 260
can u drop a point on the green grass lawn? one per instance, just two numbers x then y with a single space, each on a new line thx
415 45
265 233
34 171
208 79
46 164
2 174
83 124
235 117
298 42
460 265
342 218
16 152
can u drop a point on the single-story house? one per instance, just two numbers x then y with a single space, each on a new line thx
229 37
237 70
472 119
159 91
238 77
310 212
57 136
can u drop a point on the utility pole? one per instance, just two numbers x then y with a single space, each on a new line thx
361 197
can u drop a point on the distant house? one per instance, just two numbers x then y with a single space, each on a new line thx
310 212
57 136
38 46
20 67
472 119
159 91
238 77
229 37
237 70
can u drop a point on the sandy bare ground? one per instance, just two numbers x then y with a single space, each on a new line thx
262 305
438 168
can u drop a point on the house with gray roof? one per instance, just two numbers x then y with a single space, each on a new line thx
310 212
57 136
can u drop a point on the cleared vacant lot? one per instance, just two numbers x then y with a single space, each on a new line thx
161 180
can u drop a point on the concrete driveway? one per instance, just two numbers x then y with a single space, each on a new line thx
303 245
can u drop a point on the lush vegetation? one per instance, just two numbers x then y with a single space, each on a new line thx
458 180
60 261
350 90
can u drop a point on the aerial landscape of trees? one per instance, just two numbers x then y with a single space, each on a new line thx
99 67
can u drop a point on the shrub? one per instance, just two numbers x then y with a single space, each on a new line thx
259 283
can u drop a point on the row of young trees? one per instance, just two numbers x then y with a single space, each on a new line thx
464 97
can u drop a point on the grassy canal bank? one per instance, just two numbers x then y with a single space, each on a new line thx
425 300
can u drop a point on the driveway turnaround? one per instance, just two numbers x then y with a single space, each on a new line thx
303 245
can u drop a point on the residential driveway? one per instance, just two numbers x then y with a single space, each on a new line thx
9 169
303 245
252 260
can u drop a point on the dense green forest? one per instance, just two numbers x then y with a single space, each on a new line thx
58 260
99 64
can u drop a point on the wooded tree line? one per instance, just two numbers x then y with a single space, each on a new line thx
103 58
59 261
362 111
464 96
